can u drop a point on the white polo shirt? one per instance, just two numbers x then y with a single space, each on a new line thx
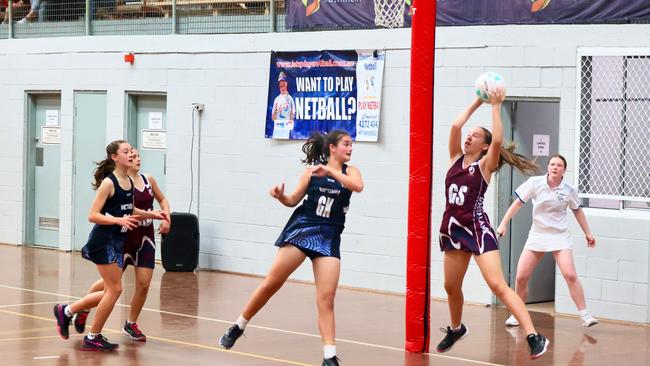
550 229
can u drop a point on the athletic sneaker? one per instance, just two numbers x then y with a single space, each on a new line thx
132 331
451 337
334 361
62 321
512 321
538 345
228 340
99 343
588 321
79 321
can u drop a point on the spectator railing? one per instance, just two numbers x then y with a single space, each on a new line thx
59 18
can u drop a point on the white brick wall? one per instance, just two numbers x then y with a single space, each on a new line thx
239 223
614 274
229 74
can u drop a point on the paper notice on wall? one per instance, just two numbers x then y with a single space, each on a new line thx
50 135
541 145
155 120
154 139
370 72
51 117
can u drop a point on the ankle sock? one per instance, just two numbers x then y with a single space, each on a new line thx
329 351
241 322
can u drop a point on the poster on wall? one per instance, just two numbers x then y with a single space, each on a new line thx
324 91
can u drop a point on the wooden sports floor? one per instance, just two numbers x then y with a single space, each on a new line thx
186 313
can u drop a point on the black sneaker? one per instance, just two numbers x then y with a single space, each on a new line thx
132 331
79 321
334 361
99 343
62 321
451 338
538 345
228 340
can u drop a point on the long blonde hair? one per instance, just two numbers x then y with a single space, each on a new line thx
508 155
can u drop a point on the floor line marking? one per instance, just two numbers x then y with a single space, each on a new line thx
261 327
165 340
33 338
28 304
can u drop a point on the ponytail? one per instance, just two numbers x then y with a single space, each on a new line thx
508 155
317 147
314 149
105 167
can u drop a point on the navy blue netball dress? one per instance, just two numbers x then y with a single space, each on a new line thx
465 225
105 242
316 226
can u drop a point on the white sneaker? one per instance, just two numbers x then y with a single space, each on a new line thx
512 321
22 21
588 321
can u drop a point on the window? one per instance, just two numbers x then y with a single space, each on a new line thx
614 131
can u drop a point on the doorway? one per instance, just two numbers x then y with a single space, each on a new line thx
146 129
43 155
526 123
89 148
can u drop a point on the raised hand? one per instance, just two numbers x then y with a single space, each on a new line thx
498 95
277 191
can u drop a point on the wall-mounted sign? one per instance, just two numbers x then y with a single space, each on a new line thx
541 145
50 135
51 117
154 139
155 120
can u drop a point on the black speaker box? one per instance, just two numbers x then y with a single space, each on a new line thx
180 247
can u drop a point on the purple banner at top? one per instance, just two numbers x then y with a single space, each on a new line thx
394 13
473 12
329 13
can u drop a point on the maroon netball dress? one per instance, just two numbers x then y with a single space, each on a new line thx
465 226
140 244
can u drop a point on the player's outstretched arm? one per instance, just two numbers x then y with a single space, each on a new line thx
294 198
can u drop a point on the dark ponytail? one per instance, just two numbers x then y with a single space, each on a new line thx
317 147
508 155
105 167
